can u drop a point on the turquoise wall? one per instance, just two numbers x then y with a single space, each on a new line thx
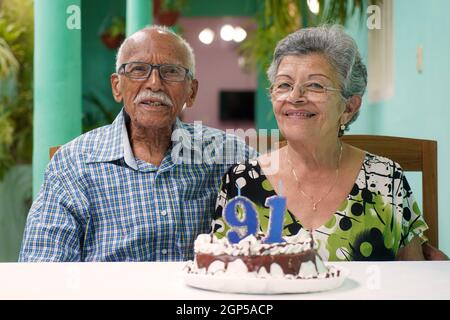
419 106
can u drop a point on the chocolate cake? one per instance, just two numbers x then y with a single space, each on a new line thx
296 258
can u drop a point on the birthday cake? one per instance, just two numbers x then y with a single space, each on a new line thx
246 261
296 258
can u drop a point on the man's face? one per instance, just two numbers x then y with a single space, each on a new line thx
154 103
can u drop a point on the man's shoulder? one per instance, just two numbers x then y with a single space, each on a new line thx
81 148
218 146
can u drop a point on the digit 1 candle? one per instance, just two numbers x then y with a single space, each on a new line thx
277 205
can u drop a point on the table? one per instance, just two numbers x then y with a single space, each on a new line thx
164 280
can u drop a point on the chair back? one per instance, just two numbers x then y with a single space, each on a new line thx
413 155
53 150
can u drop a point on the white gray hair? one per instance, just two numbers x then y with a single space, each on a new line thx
187 46
336 46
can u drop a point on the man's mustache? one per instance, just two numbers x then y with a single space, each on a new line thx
158 95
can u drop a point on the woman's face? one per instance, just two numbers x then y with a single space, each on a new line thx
305 112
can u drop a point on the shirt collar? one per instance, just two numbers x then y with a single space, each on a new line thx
109 146
128 155
114 144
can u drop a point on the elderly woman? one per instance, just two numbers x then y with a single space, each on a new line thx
359 206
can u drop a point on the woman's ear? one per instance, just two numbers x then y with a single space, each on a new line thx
352 106
115 86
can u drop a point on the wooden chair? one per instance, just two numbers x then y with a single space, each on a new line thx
53 150
413 155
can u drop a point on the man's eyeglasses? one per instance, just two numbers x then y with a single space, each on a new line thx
141 71
311 87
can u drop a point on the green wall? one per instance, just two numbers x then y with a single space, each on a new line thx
99 107
208 8
419 106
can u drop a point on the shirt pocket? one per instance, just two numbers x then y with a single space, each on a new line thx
196 218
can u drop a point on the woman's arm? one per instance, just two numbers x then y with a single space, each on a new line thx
432 253
412 251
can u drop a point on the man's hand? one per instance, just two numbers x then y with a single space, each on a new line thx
432 253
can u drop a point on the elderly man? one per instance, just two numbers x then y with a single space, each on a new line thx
142 188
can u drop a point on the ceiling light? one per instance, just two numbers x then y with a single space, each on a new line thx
206 36
227 32
239 34
313 6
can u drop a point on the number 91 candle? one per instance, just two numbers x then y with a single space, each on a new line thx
241 215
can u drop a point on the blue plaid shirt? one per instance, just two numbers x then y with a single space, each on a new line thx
100 203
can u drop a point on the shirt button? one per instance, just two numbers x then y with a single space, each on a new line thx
164 251
163 212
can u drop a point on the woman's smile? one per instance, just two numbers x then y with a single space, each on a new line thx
299 114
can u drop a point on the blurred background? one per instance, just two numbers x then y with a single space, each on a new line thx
56 57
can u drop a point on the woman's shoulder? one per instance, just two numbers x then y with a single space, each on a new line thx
376 160
248 177
244 167
380 163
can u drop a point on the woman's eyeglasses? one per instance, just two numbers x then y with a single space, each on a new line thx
312 88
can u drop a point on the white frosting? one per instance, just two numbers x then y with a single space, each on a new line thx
250 246
238 268
321 267
216 266
262 273
276 271
307 270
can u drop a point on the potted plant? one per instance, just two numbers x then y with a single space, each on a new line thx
113 36
167 12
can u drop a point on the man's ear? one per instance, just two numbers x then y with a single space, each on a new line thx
193 93
115 86
352 106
